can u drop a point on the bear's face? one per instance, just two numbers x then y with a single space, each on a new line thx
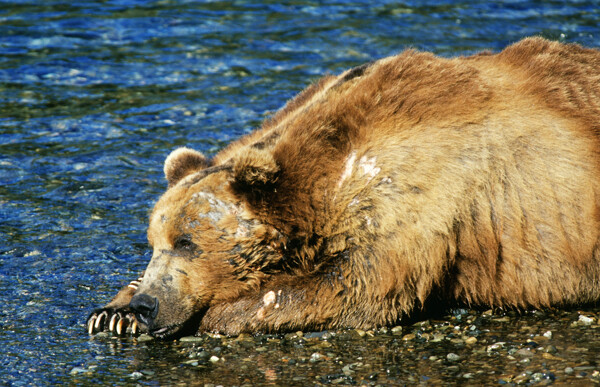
208 248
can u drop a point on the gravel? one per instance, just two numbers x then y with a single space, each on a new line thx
464 346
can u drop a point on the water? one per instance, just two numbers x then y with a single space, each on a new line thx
95 94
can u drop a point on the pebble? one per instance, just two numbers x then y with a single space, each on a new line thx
471 340
78 370
360 332
569 370
315 357
452 357
144 337
191 339
524 352
584 320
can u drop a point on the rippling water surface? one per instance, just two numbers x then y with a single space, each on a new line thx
95 94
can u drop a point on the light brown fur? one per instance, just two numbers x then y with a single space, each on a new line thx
471 180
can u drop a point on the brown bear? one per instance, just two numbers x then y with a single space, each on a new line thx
410 179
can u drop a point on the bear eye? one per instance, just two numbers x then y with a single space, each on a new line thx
184 243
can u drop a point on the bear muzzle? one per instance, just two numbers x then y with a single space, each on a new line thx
145 308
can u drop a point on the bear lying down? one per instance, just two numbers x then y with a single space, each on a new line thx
373 194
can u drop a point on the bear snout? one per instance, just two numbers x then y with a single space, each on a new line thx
145 308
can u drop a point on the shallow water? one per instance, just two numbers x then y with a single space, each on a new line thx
95 94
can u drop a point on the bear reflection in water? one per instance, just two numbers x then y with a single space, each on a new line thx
375 194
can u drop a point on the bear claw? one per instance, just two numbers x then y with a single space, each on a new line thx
116 322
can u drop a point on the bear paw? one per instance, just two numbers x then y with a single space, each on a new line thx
119 321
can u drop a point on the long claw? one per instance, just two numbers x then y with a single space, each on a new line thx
134 327
120 326
91 324
113 320
99 320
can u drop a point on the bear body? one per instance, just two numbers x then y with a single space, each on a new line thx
398 183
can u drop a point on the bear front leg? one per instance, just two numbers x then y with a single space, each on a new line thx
285 305
116 316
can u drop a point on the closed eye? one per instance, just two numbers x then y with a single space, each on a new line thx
184 243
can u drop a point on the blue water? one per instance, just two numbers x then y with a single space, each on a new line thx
95 94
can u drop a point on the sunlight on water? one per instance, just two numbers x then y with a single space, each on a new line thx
94 95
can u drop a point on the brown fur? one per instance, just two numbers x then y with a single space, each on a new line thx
470 179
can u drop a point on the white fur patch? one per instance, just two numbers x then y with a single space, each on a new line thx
269 298
369 167
348 167
366 167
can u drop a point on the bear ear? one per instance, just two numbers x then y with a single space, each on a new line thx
181 162
255 168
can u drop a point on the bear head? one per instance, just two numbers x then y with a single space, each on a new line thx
208 245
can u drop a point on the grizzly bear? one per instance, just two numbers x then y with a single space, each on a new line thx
398 184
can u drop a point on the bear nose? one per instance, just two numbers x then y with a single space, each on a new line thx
145 307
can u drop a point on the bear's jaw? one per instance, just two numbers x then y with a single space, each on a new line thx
177 330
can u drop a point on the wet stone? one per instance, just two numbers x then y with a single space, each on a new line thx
191 339
144 337
524 352
453 357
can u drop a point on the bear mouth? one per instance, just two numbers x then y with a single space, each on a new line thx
165 333
174 331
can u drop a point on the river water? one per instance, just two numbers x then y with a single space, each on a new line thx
95 94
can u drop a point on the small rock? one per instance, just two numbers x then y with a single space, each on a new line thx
549 356
471 340
458 342
144 337
77 370
548 334
410 336
136 375
569 370
524 352
397 330
315 357
191 339
452 357
214 359
243 337
360 332
584 320
495 346
521 379
347 370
